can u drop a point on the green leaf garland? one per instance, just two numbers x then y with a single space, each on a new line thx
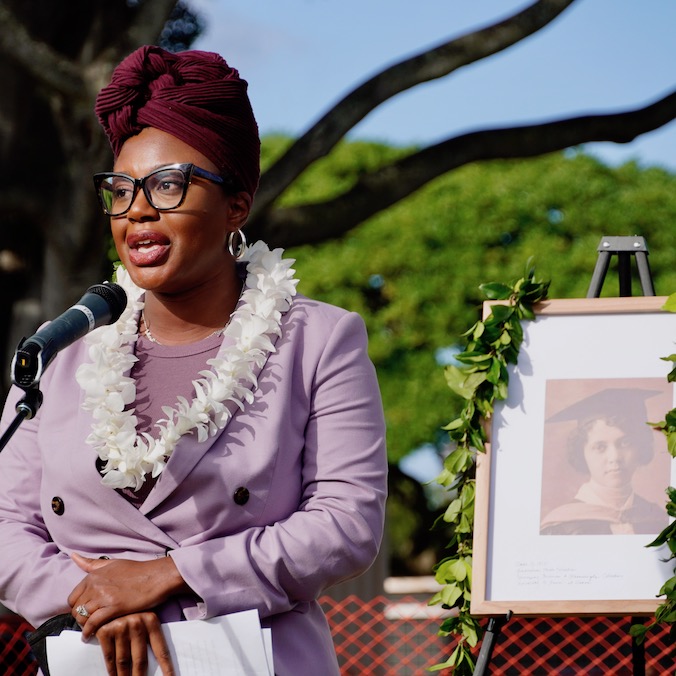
480 379
666 611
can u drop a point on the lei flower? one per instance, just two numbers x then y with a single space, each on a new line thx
269 289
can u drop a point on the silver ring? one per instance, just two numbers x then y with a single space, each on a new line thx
81 610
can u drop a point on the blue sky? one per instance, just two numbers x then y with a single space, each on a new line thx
300 56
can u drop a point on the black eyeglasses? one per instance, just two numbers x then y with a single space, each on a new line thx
165 188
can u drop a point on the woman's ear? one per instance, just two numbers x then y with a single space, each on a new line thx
240 206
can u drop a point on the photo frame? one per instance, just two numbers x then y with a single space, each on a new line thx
568 497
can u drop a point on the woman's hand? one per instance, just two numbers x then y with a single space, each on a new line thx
125 642
120 587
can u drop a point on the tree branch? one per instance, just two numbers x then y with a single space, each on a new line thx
382 188
70 79
145 28
46 65
429 65
21 203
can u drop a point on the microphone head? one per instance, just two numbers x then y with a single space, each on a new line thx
101 304
114 295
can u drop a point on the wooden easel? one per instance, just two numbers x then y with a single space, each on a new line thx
624 248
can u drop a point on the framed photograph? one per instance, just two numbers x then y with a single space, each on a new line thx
572 486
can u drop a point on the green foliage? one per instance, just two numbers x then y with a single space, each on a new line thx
460 660
272 148
414 271
183 27
481 379
666 611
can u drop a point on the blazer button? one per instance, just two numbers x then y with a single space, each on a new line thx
57 505
241 496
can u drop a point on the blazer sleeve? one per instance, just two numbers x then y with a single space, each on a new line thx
35 576
335 532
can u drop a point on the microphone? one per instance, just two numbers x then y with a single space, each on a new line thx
101 304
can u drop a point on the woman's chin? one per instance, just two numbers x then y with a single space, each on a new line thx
617 482
150 278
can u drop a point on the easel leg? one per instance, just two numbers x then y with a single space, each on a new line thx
624 273
493 628
637 651
599 274
644 273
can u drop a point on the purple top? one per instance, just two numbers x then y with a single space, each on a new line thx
162 374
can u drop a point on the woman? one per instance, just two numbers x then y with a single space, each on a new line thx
221 446
611 439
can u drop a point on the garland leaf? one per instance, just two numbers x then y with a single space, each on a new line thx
666 611
480 378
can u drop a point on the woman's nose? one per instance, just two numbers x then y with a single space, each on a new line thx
141 209
613 454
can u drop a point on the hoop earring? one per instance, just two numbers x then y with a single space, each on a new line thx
237 252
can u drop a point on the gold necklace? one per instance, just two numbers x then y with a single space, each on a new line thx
152 339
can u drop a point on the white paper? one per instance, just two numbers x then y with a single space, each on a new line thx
230 645
523 564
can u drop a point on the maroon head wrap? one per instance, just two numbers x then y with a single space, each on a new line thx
194 96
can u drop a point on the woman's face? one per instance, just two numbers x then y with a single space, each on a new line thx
181 250
610 455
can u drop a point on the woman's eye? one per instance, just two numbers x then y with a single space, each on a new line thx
120 188
168 184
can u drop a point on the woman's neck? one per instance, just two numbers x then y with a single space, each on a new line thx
612 496
179 319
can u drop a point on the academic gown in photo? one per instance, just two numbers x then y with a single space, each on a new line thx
285 501
583 518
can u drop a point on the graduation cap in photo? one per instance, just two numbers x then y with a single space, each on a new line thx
626 403
623 407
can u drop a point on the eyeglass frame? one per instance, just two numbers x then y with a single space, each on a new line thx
188 169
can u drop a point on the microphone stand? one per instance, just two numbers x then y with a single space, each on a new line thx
26 409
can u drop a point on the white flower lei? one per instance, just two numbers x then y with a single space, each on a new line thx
268 292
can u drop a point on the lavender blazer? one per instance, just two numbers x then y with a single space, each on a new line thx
286 501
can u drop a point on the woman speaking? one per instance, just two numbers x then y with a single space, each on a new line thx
221 446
